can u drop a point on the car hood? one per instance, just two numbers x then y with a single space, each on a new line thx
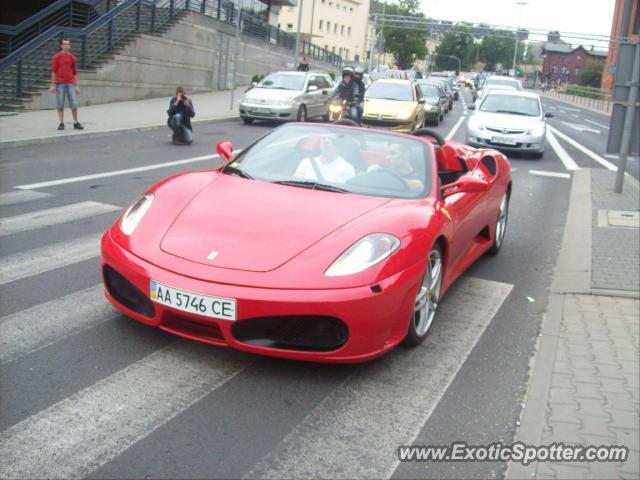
503 120
258 226
269 94
386 108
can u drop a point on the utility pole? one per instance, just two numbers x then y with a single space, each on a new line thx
373 41
236 54
295 54
520 4
380 49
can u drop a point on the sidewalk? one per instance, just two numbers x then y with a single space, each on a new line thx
584 385
42 125
598 106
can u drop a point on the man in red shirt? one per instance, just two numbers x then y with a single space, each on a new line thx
64 81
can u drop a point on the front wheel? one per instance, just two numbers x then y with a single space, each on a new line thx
501 226
247 121
302 114
427 299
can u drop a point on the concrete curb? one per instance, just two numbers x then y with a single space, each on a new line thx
101 133
535 407
573 270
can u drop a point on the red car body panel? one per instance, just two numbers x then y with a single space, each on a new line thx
271 271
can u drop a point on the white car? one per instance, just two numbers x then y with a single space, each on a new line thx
499 82
510 121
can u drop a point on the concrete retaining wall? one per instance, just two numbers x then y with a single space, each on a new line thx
196 53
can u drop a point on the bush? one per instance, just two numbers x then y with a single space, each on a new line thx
588 92
333 76
257 78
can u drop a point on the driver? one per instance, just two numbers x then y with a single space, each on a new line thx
328 166
398 155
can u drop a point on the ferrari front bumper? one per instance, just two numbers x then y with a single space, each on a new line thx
344 325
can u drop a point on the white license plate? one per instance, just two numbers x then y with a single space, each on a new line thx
260 110
214 307
503 140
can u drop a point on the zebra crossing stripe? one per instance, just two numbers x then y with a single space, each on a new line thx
37 327
355 431
53 216
43 259
21 196
72 438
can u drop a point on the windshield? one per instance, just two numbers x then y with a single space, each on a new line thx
495 82
323 157
390 91
496 103
429 90
283 81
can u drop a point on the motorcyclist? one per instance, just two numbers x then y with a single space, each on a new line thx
348 90
358 73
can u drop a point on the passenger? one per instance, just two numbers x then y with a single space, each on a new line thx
399 162
328 166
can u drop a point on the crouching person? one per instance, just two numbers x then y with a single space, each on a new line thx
180 114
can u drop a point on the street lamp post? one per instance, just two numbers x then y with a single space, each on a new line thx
450 56
520 4
295 53
236 55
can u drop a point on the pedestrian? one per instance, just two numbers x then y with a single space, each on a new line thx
180 113
64 82
303 66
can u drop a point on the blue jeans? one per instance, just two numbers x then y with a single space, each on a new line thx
68 89
354 111
179 129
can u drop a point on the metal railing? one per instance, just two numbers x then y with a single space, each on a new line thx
62 13
30 63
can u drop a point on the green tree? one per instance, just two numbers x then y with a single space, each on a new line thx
497 48
591 76
456 43
406 45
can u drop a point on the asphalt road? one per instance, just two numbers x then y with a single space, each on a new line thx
88 392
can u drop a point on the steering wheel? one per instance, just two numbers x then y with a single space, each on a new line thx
427 132
391 173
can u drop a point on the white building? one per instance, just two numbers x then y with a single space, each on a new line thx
339 26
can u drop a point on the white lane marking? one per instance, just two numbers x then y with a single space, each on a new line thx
617 157
47 258
88 429
355 431
53 216
581 128
37 327
596 123
574 115
562 110
564 157
583 149
544 173
455 128
571 109
21 196
115 173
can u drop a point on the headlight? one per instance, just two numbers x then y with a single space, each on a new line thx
405 114
431 107
363 254
536 131
335 108
134 213
475 124
285 102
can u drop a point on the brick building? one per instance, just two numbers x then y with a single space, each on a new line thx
629 30
563 63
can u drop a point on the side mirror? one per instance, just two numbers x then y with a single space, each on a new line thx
549 115
471 107
422 101
312 88
254 84
465 184
225 150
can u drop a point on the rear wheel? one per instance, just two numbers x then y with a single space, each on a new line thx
427 299
501 225
247 121
302 114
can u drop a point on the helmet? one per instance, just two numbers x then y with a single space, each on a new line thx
347 71
358 71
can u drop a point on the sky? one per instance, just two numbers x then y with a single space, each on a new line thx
579 16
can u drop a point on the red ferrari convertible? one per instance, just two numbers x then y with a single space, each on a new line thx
318 242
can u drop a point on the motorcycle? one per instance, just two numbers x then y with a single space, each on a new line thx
339 109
